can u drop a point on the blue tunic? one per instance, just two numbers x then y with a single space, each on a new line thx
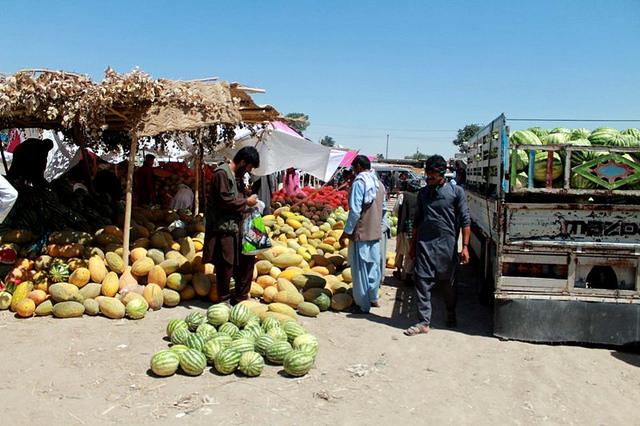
440 214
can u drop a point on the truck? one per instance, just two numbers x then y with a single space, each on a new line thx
556 229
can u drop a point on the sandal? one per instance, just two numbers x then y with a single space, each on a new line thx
375 304
417 329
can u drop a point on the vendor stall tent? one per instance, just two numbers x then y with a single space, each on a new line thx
123 108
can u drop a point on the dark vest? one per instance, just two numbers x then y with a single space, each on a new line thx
369 226
407 211
218 220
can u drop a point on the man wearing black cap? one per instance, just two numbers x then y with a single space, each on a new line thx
440 214
30 162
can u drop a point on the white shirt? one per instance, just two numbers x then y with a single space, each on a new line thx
8 197
183 199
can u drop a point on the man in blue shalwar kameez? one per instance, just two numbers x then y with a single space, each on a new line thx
363 229
441 213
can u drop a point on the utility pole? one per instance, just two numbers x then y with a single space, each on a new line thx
386 156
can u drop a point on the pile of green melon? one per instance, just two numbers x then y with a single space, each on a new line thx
235 339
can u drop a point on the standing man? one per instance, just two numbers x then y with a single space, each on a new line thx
441 212
405 211
364 230
144 180
227 204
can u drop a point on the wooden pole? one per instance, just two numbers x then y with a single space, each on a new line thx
197 172
129 199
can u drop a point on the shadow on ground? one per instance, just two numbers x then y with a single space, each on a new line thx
474 318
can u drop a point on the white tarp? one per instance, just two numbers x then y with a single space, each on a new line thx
280 148
62 157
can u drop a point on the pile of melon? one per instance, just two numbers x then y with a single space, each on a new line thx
235 339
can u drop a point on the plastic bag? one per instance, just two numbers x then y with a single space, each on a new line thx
254 234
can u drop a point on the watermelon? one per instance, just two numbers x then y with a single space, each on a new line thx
179 336
254 320
525 137
306 340
602 136
540 167
580 182
193 362
194 319
175 324
251 364
561 130
218 314
297 363
619 140
269 323
278 334
579 157
632 132
255 330
577 134
323 302
262 343
522 181
165 363
195 341
240 315
137 308
227 361
555 139
211 350
539 131
246 334
206 330
229 329
277 351
293 330
179 349
224 339
242 345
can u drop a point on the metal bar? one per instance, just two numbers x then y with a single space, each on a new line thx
532 163
567 168
557 147
562 191
571 272
570 206
582 244
549 169
580 298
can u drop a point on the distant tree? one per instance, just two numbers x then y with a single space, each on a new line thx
417 156
298 121
379 157
328 141
465 134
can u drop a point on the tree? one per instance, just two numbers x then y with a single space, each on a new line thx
328 141
465 134
417 156
298 121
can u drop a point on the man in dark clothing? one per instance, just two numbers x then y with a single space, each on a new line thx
440 213
106 182
226 205
405 210
144 180
30 162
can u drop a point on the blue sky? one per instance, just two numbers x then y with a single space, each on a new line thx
417 70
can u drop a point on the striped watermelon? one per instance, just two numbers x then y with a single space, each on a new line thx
602 135
323 302
206 330
580 182
255 330
211 350
175 324
246 334
253 320
579 157
195 341
262 343
179 336
218 314
229 329
561 130
251 364
540 167
298 363
240 315
306 340
278 334
224 339
525 137
555 139
293 330
621 140
577 134
539 131
270 323
242 345
632 132
227 361
179 349
277 351
165 363
194 319
193 362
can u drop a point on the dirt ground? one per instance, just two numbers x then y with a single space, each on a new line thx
95 371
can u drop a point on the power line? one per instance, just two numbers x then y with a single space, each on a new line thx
381 128
575 119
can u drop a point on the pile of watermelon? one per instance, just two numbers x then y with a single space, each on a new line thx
231 339
603 136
